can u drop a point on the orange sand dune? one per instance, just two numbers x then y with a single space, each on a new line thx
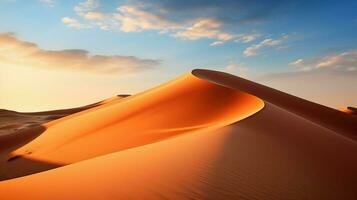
174 108
283 151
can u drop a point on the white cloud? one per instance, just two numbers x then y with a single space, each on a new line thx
72 23
21 53
297 62
300 63
205 28
239 68
247 38
253 50
217 43
344 61
134 19
95 15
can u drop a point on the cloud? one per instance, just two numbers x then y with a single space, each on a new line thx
217 43
205 28
160 16
297 62
21 53
346 61
249 38
127 18
253 50
72 23
239 68
329 80
135 19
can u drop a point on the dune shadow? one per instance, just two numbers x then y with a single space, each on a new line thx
248 165
13 166
275 154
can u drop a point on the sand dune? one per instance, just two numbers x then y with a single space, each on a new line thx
325 116
350 110
226 146
177 107
18 129
12 121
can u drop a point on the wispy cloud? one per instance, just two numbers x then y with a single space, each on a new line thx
205 28
329 80
70 22
297 62
346 61
239 68
254 49
247 38
216 43
21 53
135 19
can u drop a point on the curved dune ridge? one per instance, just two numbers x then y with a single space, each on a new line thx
177 107
287 150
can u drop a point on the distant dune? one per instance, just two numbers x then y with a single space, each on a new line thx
350 110
204 135
12 121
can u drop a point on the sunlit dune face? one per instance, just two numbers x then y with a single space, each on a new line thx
184 105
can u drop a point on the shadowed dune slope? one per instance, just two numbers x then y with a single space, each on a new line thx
330 118
185 104
273 154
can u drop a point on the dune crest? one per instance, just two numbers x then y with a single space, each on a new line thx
327 117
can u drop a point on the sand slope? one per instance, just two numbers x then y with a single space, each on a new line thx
18 129
325 116
282 152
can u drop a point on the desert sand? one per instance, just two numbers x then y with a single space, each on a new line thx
204 135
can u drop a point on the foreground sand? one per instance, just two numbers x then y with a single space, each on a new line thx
202 136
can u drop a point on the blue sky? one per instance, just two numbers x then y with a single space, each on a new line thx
162 39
